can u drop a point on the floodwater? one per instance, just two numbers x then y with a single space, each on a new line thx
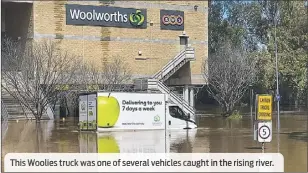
215 135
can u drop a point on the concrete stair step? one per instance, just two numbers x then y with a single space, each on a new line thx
22 115
7 103
14 105
19 116
14 109
15 112
11 99
18 112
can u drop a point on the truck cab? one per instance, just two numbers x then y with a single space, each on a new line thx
177 118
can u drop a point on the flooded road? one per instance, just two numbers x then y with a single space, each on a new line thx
215 135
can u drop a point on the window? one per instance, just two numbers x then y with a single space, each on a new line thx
177 112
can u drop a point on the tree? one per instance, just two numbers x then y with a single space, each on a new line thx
252 25
291 37
33 75
103 76
107 76
229 73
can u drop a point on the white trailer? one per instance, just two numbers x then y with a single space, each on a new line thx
104 111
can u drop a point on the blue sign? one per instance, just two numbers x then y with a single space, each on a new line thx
278 98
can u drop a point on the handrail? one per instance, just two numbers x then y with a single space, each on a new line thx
173 63
170 63
174 97
161 74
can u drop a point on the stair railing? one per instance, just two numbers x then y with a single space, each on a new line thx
160 86
174 62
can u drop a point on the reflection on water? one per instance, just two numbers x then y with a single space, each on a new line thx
215 135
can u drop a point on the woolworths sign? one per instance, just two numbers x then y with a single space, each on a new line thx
105 16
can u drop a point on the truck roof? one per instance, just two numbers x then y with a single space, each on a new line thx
133 93
90 93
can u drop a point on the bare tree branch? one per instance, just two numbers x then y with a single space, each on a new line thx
43 68
229 73
103 76
115 74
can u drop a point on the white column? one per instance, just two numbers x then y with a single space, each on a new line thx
186 93
192 98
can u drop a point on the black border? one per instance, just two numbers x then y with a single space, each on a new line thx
269 134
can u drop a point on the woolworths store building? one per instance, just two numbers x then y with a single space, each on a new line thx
163 41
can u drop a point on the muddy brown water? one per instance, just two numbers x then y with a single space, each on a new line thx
214 135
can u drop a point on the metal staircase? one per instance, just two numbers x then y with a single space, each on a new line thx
186 55
16 111
156 82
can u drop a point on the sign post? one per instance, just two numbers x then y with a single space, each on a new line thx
255 125
264 119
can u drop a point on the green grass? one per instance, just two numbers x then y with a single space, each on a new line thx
235 115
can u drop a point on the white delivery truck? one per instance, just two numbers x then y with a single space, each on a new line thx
105 111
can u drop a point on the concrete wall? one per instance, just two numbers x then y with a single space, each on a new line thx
158 45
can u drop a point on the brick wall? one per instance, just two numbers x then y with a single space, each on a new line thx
158 45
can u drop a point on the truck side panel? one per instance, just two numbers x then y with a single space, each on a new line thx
137 110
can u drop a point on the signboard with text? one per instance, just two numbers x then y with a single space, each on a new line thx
105 16
265 132
171 20
92 112
264 107
131 111
83 112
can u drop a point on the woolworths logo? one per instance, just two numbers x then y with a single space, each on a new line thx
156 118
93 15
105 16
137 18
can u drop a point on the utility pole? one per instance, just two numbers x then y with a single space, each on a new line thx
277 78
306 48
251 107
277 74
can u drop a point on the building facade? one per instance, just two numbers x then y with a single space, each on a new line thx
166 38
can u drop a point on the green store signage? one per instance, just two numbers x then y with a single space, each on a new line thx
105 16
